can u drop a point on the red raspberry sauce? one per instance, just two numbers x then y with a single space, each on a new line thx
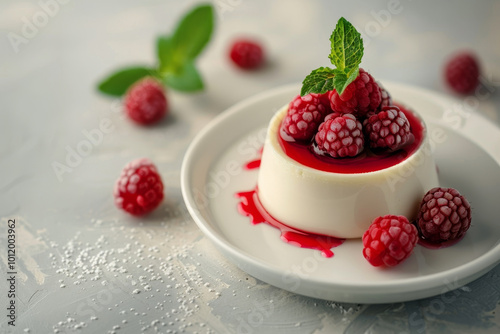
250 206
369 160
254 164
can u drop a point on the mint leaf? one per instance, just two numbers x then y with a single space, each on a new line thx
186 80
346 53
318 81
193 32
344 78
347 46
165 53
118 83
176 53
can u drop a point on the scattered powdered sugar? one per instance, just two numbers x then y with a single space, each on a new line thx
146 266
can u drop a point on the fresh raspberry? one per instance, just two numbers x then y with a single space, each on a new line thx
145 102
303 117
462 73
386 97
246 54
389 240
444 215
139 188
359 97
332 115
324 100
341 136
388 128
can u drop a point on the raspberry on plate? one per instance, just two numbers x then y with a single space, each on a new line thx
389 240
444 215
145 102
388 128
246 54
341 136
462 73
303 117
360 96
139 189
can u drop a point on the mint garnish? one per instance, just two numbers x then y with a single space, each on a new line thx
176 56
186 79
193 32
346 53
118 83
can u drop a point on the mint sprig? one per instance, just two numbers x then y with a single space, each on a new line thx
118 83
346 53
176 55
318 81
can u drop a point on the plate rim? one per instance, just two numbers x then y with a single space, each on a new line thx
480 265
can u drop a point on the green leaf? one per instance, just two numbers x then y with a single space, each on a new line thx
187 80
118 83
193 32
344 78
346 46
165 53
176 53
318 81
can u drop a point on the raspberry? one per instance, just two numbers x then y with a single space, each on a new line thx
388 128
389 240
386 99
341 136
246 54
332 116
139 188
462 73
145 102
360 96
324 100
303 117
444 215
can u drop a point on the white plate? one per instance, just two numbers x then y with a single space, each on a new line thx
468 158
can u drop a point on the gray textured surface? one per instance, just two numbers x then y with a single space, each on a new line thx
85 267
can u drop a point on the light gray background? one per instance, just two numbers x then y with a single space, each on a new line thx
83 266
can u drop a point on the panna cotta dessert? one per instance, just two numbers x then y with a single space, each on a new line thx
343 161
340 197
341 153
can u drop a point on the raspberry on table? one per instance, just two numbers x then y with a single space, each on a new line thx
462 72
389 240
145 102
388 128
139 189
444 215
303 117
359 97
246 54
341 136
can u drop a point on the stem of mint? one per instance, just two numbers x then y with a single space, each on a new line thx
346 53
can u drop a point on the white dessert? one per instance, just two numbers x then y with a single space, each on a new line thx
339 204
